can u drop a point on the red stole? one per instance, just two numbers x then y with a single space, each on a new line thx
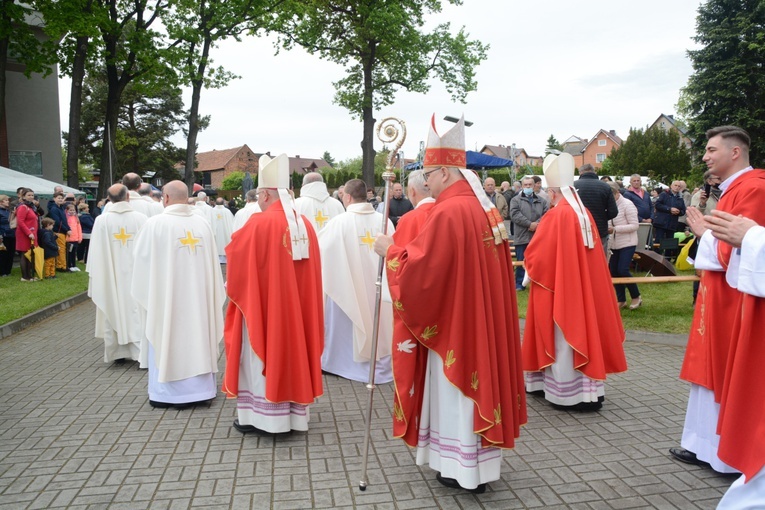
281 301
571 287
451 290
717 304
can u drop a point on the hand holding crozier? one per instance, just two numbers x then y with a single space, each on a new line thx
729 228
382 243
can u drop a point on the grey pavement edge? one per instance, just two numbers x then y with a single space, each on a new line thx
78 433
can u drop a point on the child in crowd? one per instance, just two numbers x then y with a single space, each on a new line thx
73 237
50 247
86 222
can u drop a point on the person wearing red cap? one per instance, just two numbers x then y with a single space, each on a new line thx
458 379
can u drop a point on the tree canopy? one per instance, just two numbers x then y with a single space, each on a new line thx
728 82
553 145
655 153
383 46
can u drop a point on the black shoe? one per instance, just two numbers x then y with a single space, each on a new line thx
454 484
537 393
159 405
119 362
587 406
245 429
686 456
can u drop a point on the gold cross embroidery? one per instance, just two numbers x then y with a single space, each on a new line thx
320 218
123 236
368 239
190 241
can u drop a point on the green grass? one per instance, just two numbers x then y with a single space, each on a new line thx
21 298
667 307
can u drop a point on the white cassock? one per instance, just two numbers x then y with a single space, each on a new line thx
349 269
180 291
138 203
154 206
750 279
242 215
222 225
317 205
110 267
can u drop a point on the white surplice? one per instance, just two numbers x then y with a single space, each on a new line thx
204 210
242 215
317 205
222 225
349 269
446 441
180 290
110 268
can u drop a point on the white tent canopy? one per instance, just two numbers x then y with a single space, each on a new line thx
11 180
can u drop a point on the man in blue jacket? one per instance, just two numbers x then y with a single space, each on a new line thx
669 207
640 197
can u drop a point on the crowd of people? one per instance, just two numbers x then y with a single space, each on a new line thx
303 294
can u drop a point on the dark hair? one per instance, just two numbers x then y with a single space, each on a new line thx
586 168
357 190
731 132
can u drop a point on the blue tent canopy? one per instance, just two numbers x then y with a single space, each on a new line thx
475 161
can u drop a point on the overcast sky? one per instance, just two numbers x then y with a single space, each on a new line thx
554 67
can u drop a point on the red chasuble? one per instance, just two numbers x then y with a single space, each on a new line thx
409 365
717 303
281 302
741 423
571 287
451 290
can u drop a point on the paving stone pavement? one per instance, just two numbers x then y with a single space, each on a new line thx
78 433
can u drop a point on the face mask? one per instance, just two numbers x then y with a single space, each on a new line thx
528 191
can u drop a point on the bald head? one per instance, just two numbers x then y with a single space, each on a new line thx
144 189
219 201
132 181
312 177
117 193
176 192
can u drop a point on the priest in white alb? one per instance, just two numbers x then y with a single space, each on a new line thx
180 291
202 208
315 203
349 272
250 207
222 225
110 268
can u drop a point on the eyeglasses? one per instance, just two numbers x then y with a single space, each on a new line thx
427 174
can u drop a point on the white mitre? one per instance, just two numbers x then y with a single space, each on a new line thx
559 173
275 174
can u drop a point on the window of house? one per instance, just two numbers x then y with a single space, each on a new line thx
601 143
600 157
28 162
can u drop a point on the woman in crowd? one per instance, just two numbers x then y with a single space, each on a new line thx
623 229
8 233
26 232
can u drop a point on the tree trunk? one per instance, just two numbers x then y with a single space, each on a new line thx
196 92
107 176
75 113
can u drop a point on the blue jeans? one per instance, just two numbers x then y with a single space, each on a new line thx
520 249
619 265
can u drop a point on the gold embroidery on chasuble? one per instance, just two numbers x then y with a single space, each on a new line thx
393 264
702 318
367 240
190 242
122 236
474 381
285 243
498 414
398 412
450 358
320 219
398 305
429 333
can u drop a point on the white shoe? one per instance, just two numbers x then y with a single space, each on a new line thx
74 269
